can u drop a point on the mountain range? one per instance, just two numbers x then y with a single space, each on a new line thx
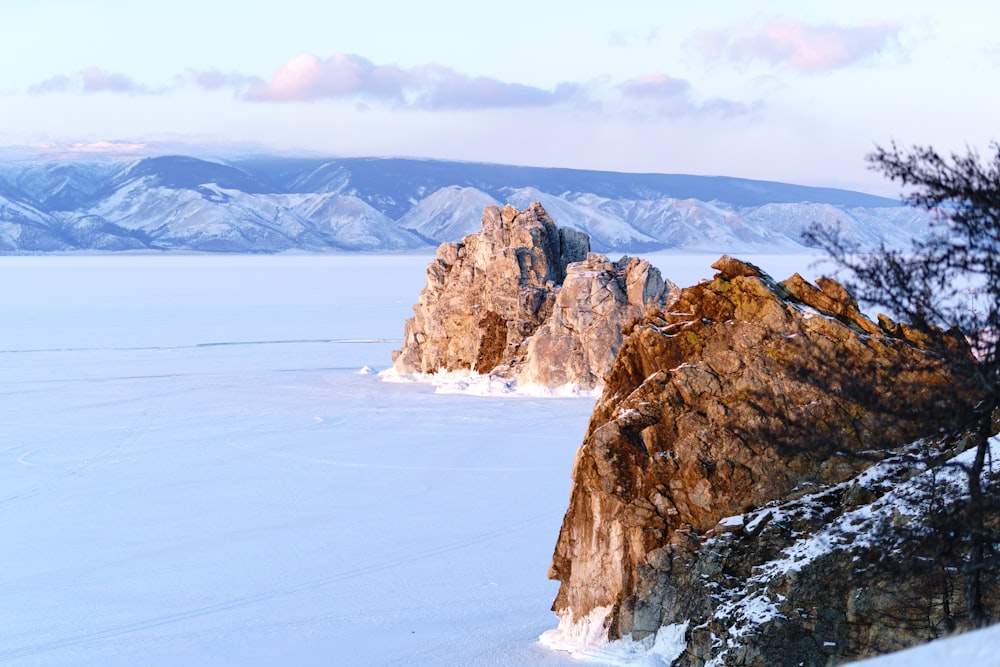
267 204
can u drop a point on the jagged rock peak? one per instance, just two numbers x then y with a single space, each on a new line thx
549 248
744 392
730 267
526 300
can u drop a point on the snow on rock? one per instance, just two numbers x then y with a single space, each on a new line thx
731 434
800 545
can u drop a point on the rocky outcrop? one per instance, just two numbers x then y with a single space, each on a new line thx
525 300
579 340
744 393
845 571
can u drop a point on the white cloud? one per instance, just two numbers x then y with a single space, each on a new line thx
90 80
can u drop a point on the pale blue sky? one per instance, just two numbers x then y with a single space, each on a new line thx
776 90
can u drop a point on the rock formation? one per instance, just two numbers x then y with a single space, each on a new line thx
745 393
525 300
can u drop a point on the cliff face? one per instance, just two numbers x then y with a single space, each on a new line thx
745 393
525 300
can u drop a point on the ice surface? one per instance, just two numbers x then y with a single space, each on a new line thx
476 384
574 634
194 471
586 639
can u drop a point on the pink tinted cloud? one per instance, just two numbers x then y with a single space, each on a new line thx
307 78
807 48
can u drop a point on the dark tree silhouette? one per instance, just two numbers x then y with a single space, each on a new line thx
947 284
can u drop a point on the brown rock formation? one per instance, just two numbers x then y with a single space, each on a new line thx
579 340
525 300
745 392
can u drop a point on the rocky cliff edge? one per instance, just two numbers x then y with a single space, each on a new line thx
719 414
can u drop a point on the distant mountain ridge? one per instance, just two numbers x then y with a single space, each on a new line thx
274 204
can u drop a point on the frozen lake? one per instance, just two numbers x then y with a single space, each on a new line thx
193 471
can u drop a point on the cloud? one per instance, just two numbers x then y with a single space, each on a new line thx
307 78
441 88
96 80
90 80
726 108
215 80
807 48
56 84
672 97
623 40
656 85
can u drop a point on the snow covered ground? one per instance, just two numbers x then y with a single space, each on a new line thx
193 471
972 649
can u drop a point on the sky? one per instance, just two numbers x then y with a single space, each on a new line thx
775 90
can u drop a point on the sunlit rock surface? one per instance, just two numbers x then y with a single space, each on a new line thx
743 393
525 300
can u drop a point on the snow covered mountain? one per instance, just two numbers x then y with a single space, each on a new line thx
449 213
273 204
